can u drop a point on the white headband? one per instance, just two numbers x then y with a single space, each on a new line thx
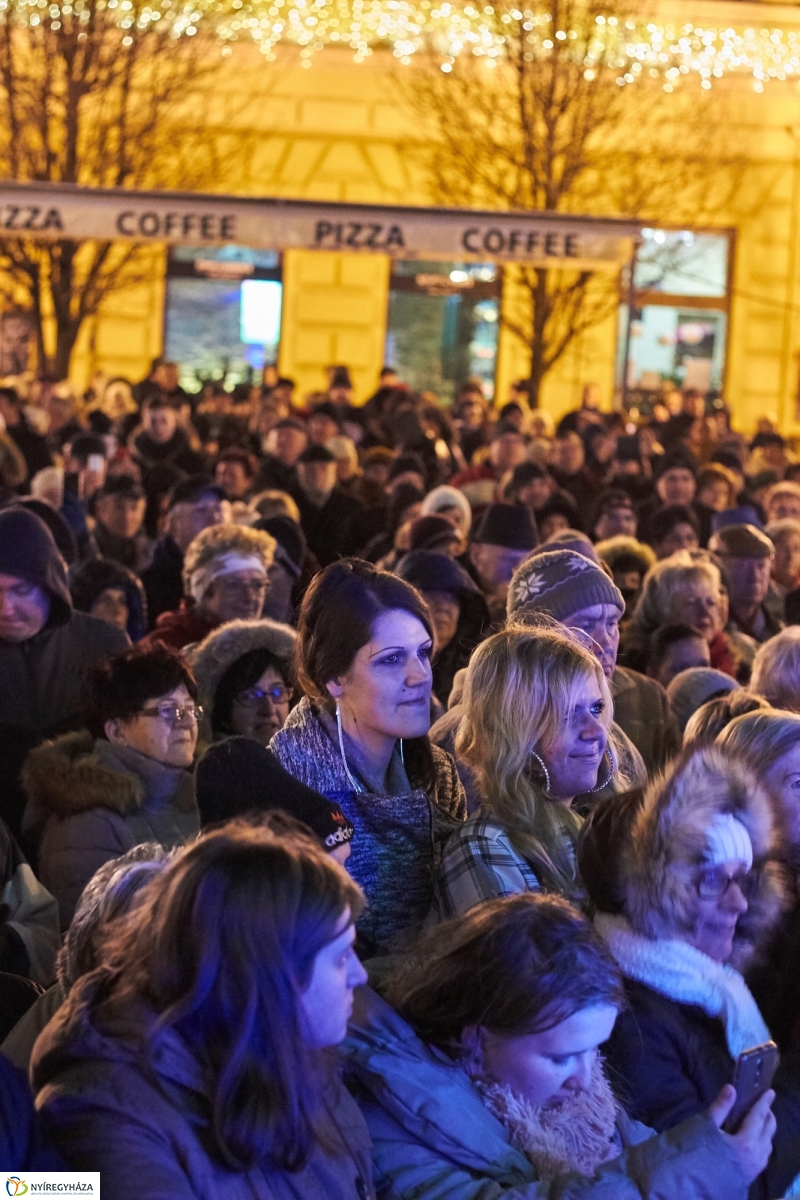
226 564
727 840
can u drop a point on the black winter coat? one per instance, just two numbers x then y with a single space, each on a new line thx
669 1061
163 579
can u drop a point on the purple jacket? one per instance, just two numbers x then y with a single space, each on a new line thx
146 1129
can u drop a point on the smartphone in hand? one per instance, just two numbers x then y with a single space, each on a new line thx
754 1071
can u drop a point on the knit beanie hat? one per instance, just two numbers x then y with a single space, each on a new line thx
290 538
445 497
691 688
559 583
431 533
727 840
28 550
508 525
239 776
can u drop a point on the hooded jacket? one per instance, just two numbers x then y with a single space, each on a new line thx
399 837
429 571
225 646
40 678
89 802
435 1139
163 579
91 580
146 1128
674 1048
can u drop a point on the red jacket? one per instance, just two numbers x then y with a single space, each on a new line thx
186 625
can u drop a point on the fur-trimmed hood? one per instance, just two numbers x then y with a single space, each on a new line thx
667 842
74 774
226 645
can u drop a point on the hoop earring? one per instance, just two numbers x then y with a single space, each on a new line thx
545 771
356 785
614 764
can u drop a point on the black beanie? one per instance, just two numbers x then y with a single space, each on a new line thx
28 550
239 776
288 535
508 525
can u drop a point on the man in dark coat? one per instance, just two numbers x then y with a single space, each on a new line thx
45 647
326 511
193 505
161 440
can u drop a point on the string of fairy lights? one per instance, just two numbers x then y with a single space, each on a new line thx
671 53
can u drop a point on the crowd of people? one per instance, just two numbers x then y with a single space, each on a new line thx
396 801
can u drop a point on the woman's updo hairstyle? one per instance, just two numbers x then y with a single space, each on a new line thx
336 619
337 616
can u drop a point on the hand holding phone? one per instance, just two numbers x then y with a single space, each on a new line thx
754 1071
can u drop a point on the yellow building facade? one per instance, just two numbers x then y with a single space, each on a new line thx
335 130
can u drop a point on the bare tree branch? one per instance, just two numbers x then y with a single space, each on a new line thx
86 100
550 128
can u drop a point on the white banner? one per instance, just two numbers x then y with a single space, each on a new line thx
66 211
53 1183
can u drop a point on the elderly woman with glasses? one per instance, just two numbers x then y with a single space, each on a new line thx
245 679
688 891
125 779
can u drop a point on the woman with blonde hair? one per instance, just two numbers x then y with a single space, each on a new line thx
536 732
682 590
776 670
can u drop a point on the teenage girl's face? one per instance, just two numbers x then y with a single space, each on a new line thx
327 1002
548 1068
387 691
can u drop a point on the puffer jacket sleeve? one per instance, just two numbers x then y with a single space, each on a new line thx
74 848
691 1162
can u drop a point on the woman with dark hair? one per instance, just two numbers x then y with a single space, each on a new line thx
245 679
94 794
192 1063
107 590
486 1081
359 736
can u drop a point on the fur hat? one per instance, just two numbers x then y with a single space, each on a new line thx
226 645
668 840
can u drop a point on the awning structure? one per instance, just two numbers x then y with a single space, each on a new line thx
66 211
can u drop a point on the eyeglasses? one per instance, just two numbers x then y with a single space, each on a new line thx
174 713
252 697
238 587
713 883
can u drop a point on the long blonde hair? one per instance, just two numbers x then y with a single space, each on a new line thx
520 685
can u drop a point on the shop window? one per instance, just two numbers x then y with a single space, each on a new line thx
222 313
679 324
443 325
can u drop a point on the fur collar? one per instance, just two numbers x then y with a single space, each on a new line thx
667 841
684 974
226 645
578 1136
74 774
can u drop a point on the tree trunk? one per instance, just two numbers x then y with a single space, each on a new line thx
538 345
